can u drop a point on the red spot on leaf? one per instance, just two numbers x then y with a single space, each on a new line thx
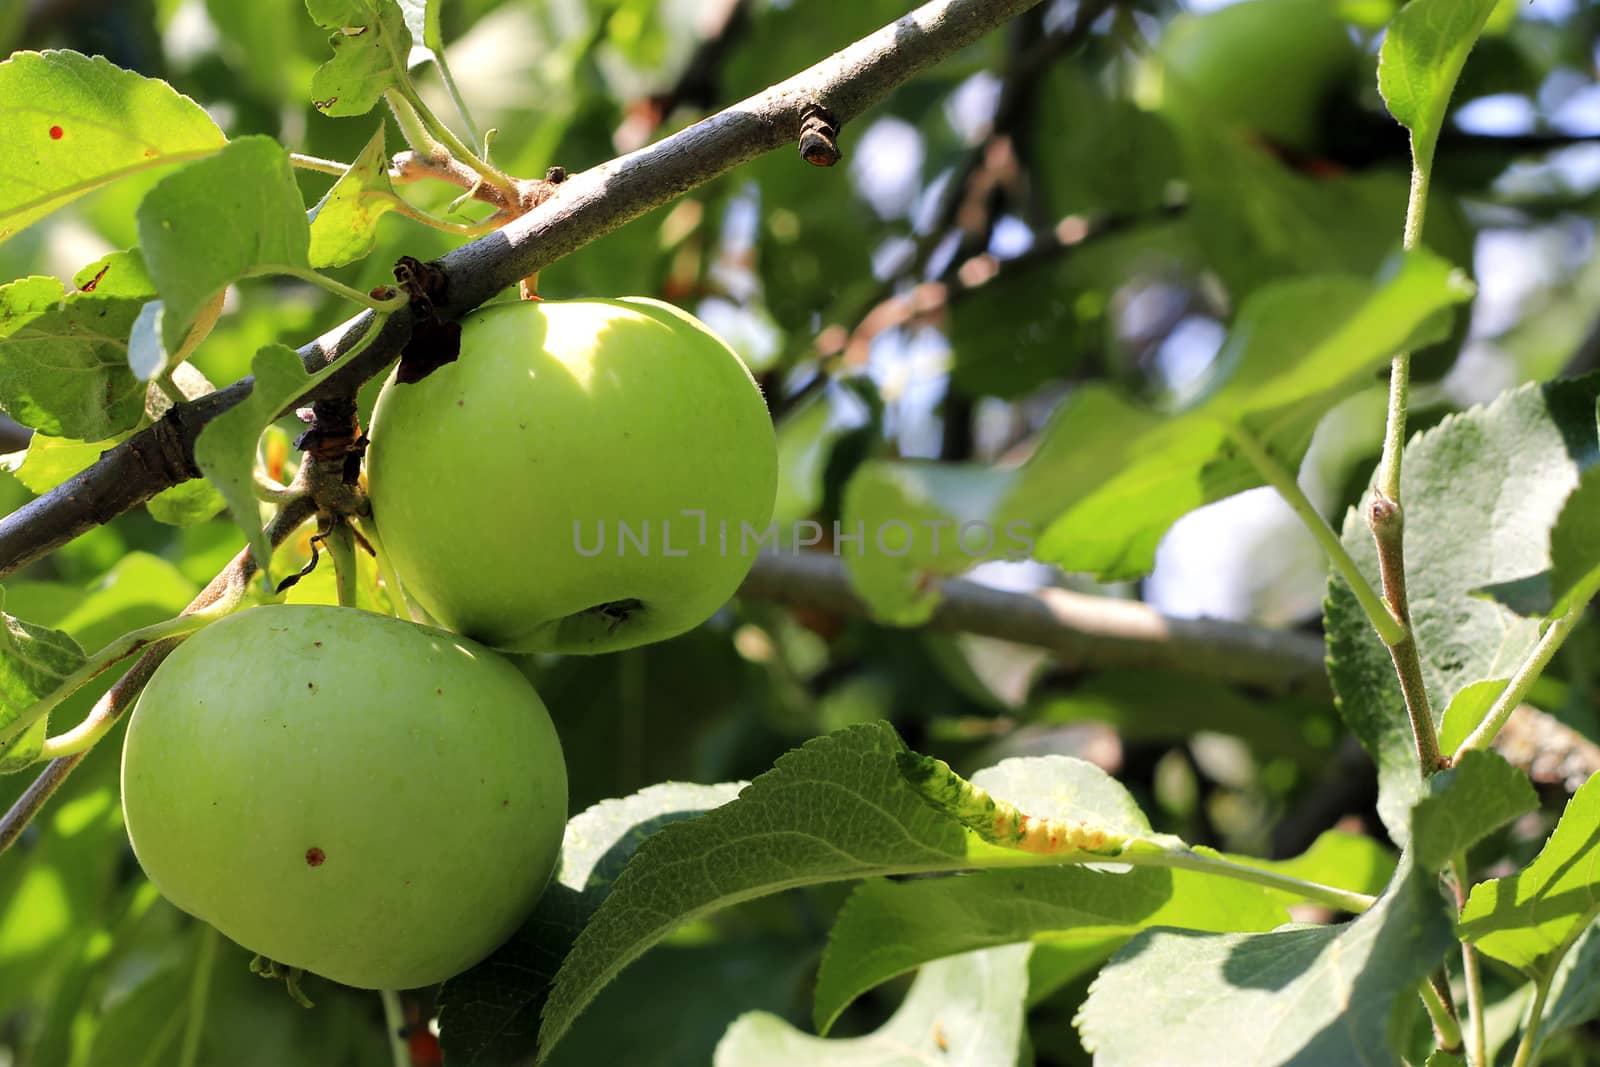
314 857
56 133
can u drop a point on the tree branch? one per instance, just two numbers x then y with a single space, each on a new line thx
1082 631
585 207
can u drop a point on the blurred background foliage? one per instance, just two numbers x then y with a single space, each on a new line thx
1084 196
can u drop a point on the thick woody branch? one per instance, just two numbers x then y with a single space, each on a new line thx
1081 631
586 206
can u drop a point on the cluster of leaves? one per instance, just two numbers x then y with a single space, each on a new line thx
685 921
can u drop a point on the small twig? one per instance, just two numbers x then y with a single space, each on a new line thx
454 92
1526 1055
1436 997
113 653
1471 973
318 164
435 139
233 578
1527 673
1281 479
408 167
1388 530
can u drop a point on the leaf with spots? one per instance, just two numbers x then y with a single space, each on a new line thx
75 123
344 224
371 53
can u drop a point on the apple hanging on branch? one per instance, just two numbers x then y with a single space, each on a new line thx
364 798
581 480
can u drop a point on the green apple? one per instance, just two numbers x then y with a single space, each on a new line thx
589 475
1269 66
374 801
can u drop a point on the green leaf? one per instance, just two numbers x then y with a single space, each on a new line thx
371 53
1466 710
889 928
806 438
1108 479
1482 490
675 1004
344 224
33 662
49 461
1318 995
832 810
491 1012
1423 52
1465 804
188 504
1574 997
117 274
228 217
139 590
920 520
64 360
967 1010
225 451
1044 315
1530 919
1297 348
146 1025
1575 547
74 124
1119 160
1065 787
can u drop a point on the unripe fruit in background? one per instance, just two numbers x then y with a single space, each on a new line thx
376 802
579 480
1269 66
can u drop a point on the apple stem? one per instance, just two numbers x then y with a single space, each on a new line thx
342 547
